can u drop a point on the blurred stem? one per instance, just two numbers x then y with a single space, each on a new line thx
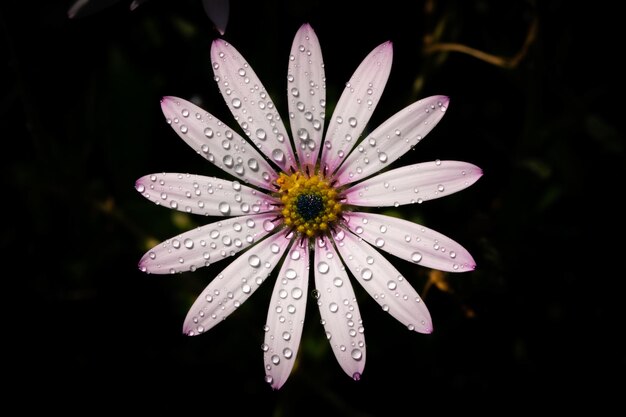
431 47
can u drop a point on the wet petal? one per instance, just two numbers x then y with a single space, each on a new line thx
306 93
339 310
206 244
413 184
217 143
249 102
234 285
356 105
412 242
209 196
285 316
218 11
393 138
384 283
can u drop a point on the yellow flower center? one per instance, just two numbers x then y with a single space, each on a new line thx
310 204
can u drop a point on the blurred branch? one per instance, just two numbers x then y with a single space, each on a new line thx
500 61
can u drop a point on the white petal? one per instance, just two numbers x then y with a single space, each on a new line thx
413 184
207 244
356 105
412 242
217 143
250 104
209 196
306 93
339 310
285 316
234 285
384 283
217 10
393 138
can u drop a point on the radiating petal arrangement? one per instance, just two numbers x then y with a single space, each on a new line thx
302 203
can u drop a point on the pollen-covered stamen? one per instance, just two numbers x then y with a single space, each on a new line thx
310 203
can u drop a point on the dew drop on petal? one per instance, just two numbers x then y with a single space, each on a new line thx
188 243
296 293
338 282
275 359
357 355
323 267
440 188
236 103
352 121
260 134
416 257
278 155
268 225
224 207
291 274
366 274
392 285
380 242
382 157
287 353
254 261
333 307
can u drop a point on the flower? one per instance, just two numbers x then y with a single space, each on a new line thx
306 200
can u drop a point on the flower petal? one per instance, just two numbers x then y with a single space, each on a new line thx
206 244
234 285
250 104
411 242
217 143
203 195
217 10
384 283
413 183
356 105
306 92
393 138
339 310
285 316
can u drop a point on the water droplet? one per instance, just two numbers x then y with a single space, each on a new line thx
416 257
382 157
383 228
333 307
246 289
291 309
392 285
224 207
268 226
323 267
338 282
283 294
184 129
452 254
275 359
303 134
188 243
380 242
288 353
254 261
260 134
359 229
295 255
286 335
369 260
236 103
278 155
228 161
295 92
385 307
440 188
296 293
366 274
357 355
291 274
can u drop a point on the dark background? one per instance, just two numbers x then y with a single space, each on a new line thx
538 325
